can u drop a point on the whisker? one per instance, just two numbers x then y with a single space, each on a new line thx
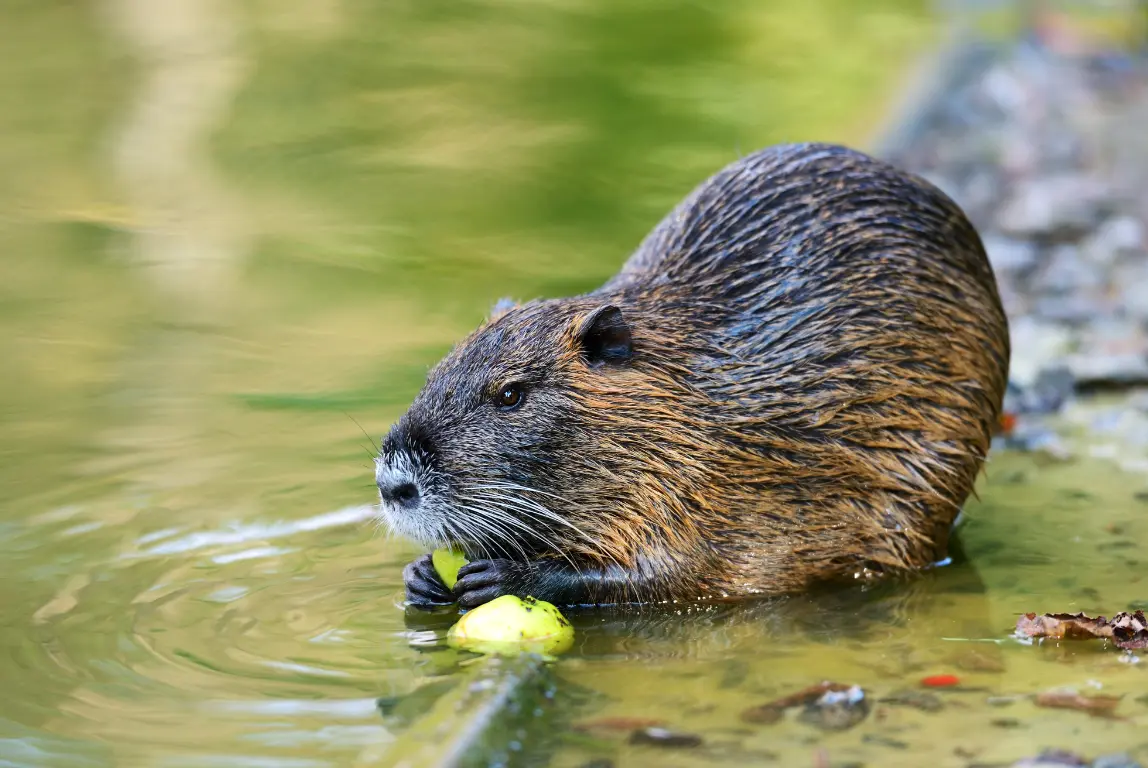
484 526
542 510
374 446
509 518
538 511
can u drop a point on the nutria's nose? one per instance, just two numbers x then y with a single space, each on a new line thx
403 493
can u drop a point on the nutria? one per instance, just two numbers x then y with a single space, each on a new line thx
794 380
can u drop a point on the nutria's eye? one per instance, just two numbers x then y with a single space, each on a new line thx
509 397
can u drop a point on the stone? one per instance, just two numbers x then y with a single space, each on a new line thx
1118 760
1047 205
1112 370
1116 237
1010 255
1034 343
1066 272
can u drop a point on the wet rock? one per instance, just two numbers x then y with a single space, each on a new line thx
1074 309
1064 204
922 700
1048 159
1097 371
1116 237
884 741
1131 281
1036 345
1009 255
1066 272
1052 758
1035 437
837 710
1052 389
1005 722
1119 760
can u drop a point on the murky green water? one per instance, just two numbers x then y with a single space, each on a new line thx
233 233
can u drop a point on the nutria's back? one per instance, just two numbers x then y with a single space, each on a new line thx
794 379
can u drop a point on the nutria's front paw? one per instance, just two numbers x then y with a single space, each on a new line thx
481 581
424 586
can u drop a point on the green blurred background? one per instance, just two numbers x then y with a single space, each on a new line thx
209 208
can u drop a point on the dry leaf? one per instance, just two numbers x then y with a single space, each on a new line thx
1125 630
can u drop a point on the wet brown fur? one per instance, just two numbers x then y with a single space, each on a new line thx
819 358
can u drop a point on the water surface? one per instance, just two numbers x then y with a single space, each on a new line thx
234 234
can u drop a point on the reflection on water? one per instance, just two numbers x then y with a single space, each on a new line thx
234 232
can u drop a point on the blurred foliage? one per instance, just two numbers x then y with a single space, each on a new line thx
394 168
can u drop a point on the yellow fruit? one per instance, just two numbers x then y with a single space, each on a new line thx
446 564
508 626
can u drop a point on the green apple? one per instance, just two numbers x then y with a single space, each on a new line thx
446 564
508 625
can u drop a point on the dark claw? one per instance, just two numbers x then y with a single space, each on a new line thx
483 580
424 587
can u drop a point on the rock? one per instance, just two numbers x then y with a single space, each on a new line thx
1052 205
1130 281
1051 164
1118 760
1053 387
922 700
1074 309
1052 758
1034 343
1116 237
1066 272
1093 371
837 710
1009 255
1111 353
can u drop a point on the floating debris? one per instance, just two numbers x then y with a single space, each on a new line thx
940 681
772 711
1127 631
617 724
837 710
1097 706
660 737
921 700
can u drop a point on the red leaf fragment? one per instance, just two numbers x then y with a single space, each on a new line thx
940 681
1126 630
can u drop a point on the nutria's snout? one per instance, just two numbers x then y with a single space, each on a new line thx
402 475
398 488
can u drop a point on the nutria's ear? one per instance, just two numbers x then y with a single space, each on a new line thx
501 307
605 337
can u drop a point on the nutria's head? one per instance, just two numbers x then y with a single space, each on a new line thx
496 454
